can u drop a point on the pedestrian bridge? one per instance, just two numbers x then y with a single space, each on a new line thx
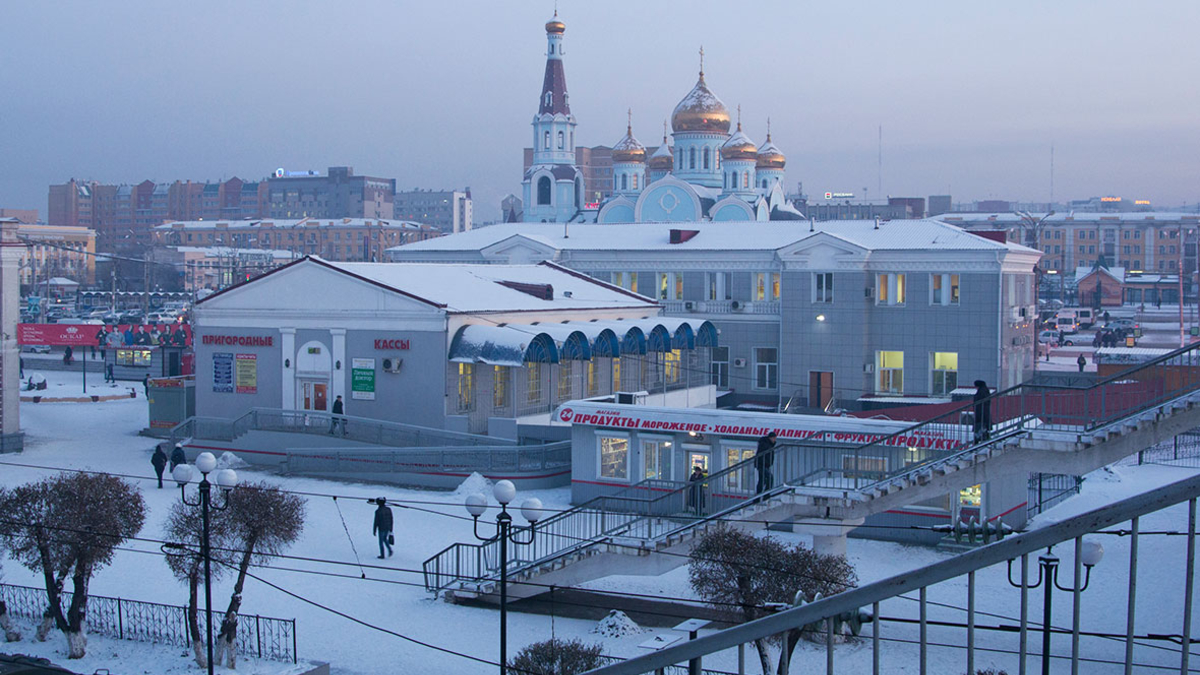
648 528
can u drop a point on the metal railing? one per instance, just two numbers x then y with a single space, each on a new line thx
507 458
362 429
1183 450
823 612
261 636
659 509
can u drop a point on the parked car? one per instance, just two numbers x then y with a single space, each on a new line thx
1050 337
1127 324
38 349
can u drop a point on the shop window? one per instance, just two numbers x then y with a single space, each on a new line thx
823 287
744 478
466 385
656 458
593 384
720 367
943 289
671 366
759 290
864 467
890 368
775 285
889 289
614 457
971 497
766 368
564 381
533 382
945 373
500 387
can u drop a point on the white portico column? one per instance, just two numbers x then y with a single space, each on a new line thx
339 357
287 364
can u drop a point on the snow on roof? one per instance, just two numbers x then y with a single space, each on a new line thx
723 236
479 288
1070 216
1117 273
288 223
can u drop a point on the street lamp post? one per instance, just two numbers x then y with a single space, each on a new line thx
531 509
1090 554
226 480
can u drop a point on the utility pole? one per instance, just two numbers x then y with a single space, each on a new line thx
145 283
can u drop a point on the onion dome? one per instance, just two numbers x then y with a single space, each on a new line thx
555 26
628 149
662 159
739 146
769 155
701 110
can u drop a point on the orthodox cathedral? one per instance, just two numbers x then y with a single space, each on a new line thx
702 172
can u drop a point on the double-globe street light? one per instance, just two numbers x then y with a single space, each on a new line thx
1089 554
531 509
226 480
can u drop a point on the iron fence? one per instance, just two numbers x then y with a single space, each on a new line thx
506 458
1183 450
262 636
1050 489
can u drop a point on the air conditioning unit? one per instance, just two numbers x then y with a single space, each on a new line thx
868 368
869 292
392 364
626 398
737 305
739 363
689 305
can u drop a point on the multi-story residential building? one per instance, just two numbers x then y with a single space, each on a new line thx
448 210
1154 242
845 314
344 239
338 194
20 215
216 267
57 251
122 215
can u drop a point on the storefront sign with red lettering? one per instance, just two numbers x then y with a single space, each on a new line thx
386 343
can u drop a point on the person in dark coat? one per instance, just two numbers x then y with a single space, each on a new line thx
983 412
696 489
764 458
338 410
383 527
177 457
1081 361
108 373
146 384
68 355
159 460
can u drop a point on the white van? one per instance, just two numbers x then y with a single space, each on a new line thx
1085 317
1066 324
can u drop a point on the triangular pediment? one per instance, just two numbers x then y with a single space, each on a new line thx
519 249
822 251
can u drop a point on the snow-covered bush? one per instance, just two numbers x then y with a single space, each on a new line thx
556 657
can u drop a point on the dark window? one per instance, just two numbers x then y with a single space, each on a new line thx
543 195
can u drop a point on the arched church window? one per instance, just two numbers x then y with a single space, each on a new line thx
614 182
717 155
549 98
635 181
571 145
561 140
578 193
624 182
546 140
764 182
745 179
691 158
543 195
706 161
551 49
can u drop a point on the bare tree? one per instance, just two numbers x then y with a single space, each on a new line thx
69 526
557 657
262 522
185 527
741 574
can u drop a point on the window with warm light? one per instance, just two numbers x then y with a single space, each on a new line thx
656 458
890 372
500 387
614 457
466 385
943 289
533 382
944 373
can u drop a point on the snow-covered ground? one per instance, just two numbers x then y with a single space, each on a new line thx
102 436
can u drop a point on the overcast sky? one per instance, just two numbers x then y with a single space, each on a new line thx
440 94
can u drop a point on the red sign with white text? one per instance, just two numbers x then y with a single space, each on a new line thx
85 335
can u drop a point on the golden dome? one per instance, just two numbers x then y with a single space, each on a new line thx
739 146
701 110
556 26
628 149
769 155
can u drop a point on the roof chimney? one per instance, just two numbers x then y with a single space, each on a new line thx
680 236
539 291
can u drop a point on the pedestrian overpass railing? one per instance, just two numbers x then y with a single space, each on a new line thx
439 459
823 614
361 429
660 509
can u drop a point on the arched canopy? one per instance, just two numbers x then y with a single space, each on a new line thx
502 345
517 344
690 333
634 341
572 343
659 339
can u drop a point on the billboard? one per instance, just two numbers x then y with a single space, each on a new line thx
85 335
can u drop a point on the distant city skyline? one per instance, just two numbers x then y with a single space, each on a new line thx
970 98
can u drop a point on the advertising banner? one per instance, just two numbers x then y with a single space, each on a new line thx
83 335
223 372
246 374
362 379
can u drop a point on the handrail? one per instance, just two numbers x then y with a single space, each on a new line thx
852 599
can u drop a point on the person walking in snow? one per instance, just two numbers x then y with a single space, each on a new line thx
177 457
338 410
159 460
383 527
983 412
764 457
1081 361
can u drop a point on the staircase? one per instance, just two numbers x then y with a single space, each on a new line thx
644 528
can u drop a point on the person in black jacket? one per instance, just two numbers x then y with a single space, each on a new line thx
159 460
764 458
338 410
383 527
177 457
983 412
